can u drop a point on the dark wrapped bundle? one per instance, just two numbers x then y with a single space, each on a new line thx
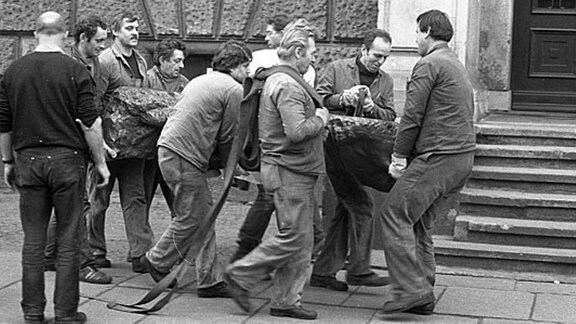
363 147
135 120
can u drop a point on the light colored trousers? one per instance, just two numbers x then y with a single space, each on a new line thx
192 203
288 252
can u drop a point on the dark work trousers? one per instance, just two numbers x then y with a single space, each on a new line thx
419 195
152 178
50 178
255 223
86 258
349 232
130 174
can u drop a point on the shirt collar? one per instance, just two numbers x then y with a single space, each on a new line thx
48 48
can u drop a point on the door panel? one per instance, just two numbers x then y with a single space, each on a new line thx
544 55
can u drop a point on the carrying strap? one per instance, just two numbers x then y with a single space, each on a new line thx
154 293
249 158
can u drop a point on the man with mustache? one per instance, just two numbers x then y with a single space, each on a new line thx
350 230
165 75
122 66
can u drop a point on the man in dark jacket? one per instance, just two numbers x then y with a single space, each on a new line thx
349 231
432 160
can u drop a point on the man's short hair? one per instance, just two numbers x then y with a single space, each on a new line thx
438 23
294 37
118 19
278 22
229 55
376 33
50 23
88 26
166 48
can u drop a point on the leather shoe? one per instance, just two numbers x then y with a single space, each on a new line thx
137 265
368 280
33 319
100 261
329 282
156 275
426 309
219 290
408 302
79 318
298 312
90 274
239 294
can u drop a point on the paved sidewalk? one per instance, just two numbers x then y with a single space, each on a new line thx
461 299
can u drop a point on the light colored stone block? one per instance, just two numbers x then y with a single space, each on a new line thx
556 308
485 302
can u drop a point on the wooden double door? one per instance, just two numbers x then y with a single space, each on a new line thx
544 56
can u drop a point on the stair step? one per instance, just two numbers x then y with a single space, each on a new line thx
513 231
526 133
503 257
523 151
556 130
524 179
553 157
524 174
517 204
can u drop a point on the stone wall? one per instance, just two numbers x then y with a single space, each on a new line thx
201 24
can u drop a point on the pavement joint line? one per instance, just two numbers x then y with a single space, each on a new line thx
533 306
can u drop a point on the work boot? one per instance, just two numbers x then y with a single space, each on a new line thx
407 302
298 312
329 282
156 275
78 318
368 280
219 290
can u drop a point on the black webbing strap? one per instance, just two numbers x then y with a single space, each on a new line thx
138 307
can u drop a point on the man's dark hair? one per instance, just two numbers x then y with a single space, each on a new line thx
166 48
278 22
438 23
117 21
229 55
88 26
375 33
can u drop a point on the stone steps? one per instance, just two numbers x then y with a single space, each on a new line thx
518 204
527 133
523 179
504 257
551 157
511 231
518 210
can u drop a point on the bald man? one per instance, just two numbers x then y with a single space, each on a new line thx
48 126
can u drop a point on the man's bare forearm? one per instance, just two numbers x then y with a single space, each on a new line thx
93 136
6 146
